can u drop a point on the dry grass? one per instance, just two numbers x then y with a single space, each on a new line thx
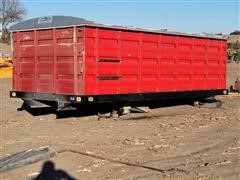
4 48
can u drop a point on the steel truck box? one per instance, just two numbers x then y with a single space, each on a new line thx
70 60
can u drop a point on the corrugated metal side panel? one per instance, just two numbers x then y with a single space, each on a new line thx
48 61
15 46
64 61
24 61
44 61
80 53
119 62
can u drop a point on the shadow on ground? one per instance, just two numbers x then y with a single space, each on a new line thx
49 172
82 111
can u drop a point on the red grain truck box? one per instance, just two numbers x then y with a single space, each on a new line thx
68 60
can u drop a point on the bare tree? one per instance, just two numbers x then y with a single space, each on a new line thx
10 11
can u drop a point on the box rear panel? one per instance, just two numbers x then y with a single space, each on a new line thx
48 61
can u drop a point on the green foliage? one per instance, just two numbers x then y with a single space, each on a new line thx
237 32
234 51
234 45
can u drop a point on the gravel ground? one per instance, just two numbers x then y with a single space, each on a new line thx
188 142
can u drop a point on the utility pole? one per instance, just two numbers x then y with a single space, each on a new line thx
166 21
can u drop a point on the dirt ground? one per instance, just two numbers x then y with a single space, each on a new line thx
188 142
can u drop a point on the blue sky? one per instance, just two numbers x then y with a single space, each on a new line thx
213 16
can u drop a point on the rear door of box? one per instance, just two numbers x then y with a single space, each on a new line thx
48 61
